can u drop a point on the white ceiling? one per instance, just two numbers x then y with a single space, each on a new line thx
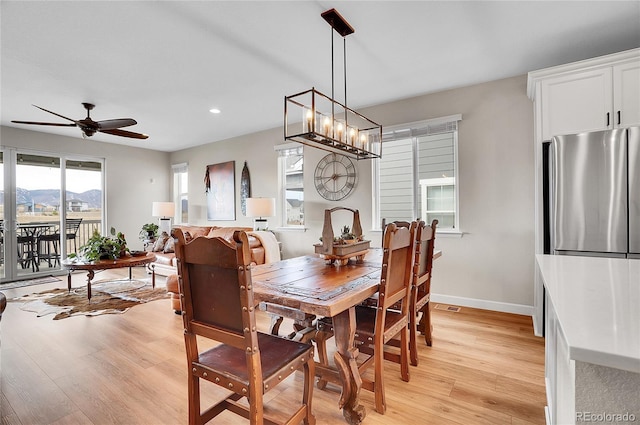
166 63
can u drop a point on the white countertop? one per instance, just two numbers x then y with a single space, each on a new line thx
597 301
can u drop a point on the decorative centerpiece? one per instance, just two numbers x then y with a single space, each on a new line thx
100 247
349 244
347 237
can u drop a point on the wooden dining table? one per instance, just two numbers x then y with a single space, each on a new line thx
312 286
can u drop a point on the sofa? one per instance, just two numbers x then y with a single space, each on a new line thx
262 244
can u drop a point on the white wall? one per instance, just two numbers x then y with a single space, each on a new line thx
129 174
494 260
491 266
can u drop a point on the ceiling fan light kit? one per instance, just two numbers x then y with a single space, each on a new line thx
90 127
319 121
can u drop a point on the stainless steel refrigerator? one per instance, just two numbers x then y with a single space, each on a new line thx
594 192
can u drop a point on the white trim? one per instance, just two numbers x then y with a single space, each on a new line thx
449 233
525 310
285 146
422 123
600 62
182 167
291 229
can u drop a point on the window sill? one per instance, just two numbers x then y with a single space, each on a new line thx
449 233
439 233
291 229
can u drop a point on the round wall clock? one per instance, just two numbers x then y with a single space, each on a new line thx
335 177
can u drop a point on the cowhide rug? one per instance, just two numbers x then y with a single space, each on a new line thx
106 298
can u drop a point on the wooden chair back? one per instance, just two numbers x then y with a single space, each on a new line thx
213 271
214 276
397 264
425 244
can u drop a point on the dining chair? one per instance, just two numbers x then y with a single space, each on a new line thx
49 248
72 225
420 289
27 252
379 324
421 296
216 293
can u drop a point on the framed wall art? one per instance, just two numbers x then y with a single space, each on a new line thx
220 185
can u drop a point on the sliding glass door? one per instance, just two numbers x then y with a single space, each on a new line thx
50 205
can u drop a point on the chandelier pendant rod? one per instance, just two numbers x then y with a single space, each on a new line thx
333 96
344 61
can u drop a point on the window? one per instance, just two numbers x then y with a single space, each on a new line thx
180 192
291 183
416 176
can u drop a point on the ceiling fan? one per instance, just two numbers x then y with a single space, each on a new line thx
89 127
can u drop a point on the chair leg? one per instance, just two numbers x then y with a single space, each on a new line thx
426 317
307 394
378 384
413 333
404 354
194 400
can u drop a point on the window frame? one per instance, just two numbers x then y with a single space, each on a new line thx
179 192
282 188
413 131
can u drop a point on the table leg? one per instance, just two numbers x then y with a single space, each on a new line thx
69 281
90 275
344 325
153 276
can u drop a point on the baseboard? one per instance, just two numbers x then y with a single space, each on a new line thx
525 310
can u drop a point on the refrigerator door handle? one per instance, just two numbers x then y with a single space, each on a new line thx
608 122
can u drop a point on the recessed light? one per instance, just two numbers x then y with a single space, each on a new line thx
214 110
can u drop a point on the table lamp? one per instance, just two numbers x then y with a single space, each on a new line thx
164 210
260 208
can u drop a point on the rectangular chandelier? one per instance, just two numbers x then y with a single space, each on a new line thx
319 121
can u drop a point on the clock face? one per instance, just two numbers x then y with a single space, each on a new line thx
335 177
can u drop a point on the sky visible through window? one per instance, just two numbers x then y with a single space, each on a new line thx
34 178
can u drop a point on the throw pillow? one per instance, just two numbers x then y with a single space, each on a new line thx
159 245
169 246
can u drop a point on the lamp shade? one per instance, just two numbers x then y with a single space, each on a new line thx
163 209
261 207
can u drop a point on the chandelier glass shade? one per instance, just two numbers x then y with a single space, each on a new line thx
318 120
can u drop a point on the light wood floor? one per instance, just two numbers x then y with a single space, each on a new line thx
484 368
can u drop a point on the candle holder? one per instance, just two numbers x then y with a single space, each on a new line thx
329 125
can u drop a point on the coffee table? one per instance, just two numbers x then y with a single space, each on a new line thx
92 267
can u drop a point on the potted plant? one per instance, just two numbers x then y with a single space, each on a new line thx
149 231
100 247
347 236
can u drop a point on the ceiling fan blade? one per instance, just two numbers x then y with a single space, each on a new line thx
44 123
54 113
125 133
117 123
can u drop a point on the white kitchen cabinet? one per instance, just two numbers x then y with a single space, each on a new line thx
576 102
595 94
626 94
